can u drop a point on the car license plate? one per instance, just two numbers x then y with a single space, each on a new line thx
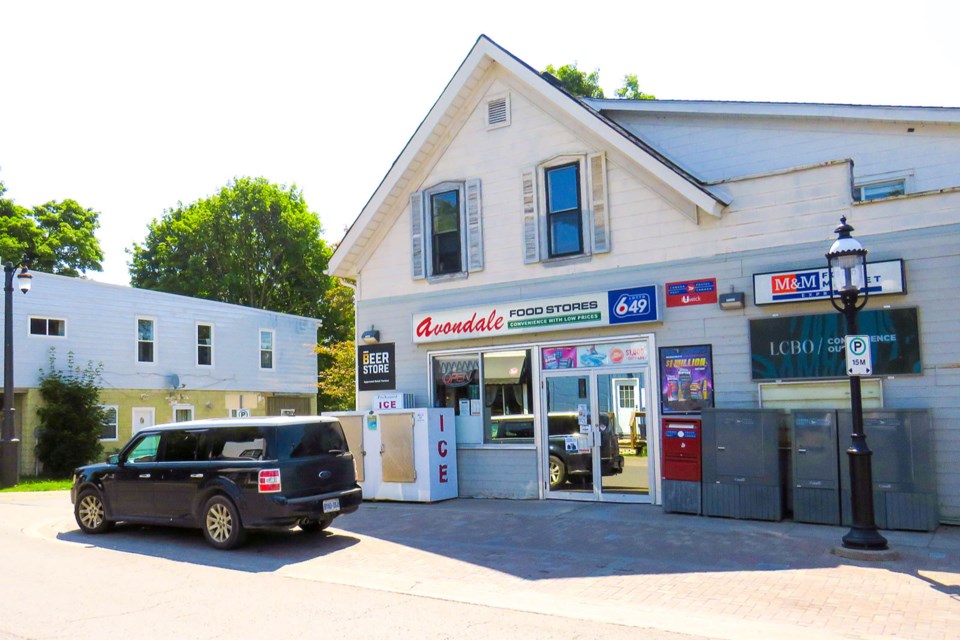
331 505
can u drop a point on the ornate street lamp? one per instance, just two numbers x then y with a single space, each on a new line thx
9 444
847 264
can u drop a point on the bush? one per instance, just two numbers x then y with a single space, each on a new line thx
71 419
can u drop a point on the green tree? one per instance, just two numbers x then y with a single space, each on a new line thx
71 419
576 82
254 243
631 89
336 381
57 237
587 85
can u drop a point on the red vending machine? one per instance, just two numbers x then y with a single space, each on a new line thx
681 464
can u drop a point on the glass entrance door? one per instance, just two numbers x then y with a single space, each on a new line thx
570 434
594 431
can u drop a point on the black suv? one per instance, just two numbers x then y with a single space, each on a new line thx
223 476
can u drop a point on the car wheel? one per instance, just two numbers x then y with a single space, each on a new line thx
221 523
313 526
558 472
90 514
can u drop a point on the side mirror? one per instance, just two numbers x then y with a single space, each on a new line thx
113 459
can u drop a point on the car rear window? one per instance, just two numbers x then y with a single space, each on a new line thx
241 443
311 439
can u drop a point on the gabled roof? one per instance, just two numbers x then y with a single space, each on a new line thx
429 137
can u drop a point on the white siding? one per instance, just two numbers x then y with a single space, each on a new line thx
101 327
718 148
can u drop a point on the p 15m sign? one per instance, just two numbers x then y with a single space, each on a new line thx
814 284
598 309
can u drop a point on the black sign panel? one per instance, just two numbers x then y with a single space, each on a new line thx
376 367
812 346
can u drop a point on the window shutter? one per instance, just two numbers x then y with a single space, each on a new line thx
597 168
416 235
474 226
531 219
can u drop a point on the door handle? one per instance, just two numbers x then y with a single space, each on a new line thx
144 475
721 448
196 475
801 450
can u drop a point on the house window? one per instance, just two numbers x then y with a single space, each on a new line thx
110 422
266 349
445 238
446 230
182 412
145 340
48 327
205 345
564 216
877 190
564 205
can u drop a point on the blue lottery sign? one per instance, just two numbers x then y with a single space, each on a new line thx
639 304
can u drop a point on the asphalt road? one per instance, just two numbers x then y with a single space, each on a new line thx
153 582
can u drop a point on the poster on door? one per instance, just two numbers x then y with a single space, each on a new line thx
686 379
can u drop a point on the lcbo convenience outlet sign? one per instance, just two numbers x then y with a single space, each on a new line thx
637 304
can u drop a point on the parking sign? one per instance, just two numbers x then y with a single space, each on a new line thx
859 360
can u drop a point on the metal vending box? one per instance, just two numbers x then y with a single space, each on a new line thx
816 478
742 464
407 455
681 465
904 479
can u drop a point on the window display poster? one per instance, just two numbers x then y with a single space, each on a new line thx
686 378
560 358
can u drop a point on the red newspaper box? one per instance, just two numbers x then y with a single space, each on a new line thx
681 449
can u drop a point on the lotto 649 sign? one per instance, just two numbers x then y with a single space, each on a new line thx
638 304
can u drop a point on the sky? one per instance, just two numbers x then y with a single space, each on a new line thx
130 108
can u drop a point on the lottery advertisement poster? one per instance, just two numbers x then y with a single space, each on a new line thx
686 379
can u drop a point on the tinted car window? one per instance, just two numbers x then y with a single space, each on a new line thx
181 446
240 443
305 440
145 449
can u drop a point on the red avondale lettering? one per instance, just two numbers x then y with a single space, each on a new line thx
493 322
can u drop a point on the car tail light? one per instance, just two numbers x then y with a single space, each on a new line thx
269 481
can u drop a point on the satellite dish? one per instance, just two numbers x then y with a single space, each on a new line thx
174 381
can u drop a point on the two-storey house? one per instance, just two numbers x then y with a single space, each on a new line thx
165 357
555 268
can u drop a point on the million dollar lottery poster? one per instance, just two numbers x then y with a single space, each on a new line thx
686 379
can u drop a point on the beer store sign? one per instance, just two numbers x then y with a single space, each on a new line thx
376 367
601 309
814 284
812 346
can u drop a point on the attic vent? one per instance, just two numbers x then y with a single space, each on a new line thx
498 112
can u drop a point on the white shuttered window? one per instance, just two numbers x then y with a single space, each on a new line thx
564 208
446 230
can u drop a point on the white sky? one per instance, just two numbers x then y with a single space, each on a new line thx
130 107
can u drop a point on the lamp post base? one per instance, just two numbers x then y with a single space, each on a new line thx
9 463
866 539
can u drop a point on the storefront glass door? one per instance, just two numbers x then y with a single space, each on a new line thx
595 427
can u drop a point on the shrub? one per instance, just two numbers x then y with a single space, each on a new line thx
71 419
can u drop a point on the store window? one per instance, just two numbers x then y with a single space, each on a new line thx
491 394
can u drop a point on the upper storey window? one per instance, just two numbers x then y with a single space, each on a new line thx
564 203
446 230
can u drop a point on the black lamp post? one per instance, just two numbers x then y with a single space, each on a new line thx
847 264
9 445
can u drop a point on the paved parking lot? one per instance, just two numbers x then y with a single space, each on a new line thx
626 565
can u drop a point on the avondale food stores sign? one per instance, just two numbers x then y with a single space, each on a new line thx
605 308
